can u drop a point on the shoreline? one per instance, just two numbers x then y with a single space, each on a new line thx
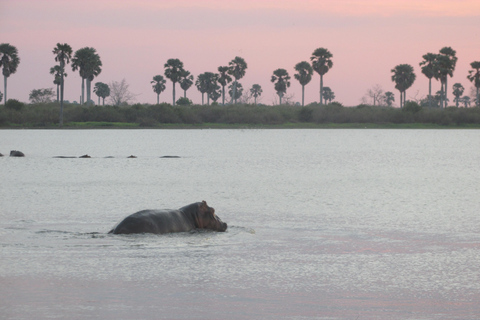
219 126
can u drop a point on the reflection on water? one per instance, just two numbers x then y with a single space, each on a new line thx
323 224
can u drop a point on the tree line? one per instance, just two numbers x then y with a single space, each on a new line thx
89 65
18 114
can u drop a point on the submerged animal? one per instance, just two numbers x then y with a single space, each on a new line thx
193 216
16 153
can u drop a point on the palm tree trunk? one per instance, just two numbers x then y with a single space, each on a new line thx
185 94
158 97
173 94
89 96
255 100
89 90
303 95
83 91
103 98
61 97
5 89
441 95
446 100
401 98
478 97
223 95
321 89
235 91
58 93
203 93
430 92
98 100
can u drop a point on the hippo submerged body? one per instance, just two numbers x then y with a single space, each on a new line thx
194 216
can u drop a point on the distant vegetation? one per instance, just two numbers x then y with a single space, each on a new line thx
44 113
16 114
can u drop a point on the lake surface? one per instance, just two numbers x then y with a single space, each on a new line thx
323 224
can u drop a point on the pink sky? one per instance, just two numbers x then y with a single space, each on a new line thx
135 38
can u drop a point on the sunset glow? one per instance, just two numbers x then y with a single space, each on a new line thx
135 38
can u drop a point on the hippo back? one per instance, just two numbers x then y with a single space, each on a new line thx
154 221
196 215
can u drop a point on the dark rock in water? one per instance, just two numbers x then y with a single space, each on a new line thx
132 156
64 157
109 157
170 157
85 156
1 155
15 153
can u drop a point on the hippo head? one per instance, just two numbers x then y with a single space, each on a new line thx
207 219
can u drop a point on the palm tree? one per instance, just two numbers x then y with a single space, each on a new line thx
237 68
79 61
63 54
211 85
282 81
445 65
215 94
466 101
58 78
389 98
304 76
256 91
474 77
186 82
328 94
88 62
202 84
158 85
9 60
235 90
174 71
321 63
428 69
457 92
403 77
439 98
224 79
102 90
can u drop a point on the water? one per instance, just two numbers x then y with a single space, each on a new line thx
323 224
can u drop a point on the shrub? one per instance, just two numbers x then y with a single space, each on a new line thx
412 106
305 114
163 113
13 104
335 103
184 102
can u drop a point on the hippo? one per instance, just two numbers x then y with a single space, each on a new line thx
15 153
193 216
